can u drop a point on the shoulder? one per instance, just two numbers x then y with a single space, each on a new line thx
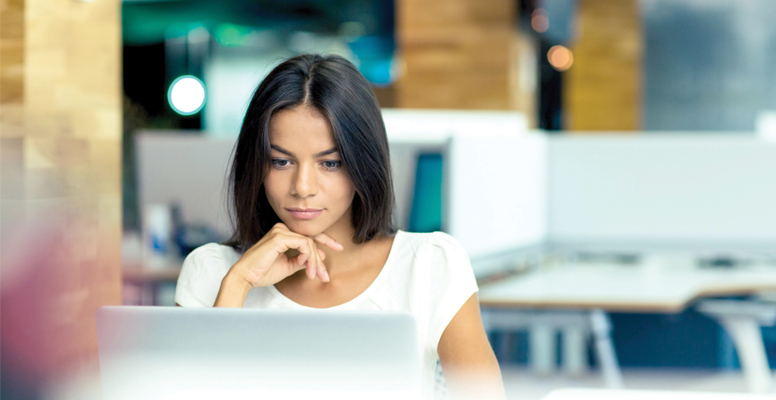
435 254
200 277
441 281
433 244
212 255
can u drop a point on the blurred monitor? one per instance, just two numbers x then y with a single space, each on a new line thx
186 169
426 211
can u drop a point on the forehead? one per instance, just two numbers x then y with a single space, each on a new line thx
301 129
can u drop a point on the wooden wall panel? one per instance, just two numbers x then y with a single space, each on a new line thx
12 50
60 210
458 54
603 88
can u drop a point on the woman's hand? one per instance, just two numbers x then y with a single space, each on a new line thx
277 255
267 263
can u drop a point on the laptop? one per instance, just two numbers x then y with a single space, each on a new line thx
217 353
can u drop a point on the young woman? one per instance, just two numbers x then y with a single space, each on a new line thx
312 200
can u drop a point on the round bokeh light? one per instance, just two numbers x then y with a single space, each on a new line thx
560 57
186 95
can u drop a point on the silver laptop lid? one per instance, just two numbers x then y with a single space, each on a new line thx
193 353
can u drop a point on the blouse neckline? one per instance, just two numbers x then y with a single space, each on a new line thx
365 293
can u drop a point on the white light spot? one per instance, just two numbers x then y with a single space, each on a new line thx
186 95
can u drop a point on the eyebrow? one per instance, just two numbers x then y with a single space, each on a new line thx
321 154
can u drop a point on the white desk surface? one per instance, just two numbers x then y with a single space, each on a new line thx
609 394
630 288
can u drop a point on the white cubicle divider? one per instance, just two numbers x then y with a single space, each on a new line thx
506 188
662 191
413 132
707 194
191 169
437 126
495 191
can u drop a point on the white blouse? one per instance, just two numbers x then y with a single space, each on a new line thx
428 275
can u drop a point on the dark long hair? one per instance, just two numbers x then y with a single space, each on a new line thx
334 87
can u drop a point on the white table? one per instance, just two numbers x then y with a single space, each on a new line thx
575 297
598 394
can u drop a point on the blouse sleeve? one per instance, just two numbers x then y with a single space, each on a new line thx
452 283
201 276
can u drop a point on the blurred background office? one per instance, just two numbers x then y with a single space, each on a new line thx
638 134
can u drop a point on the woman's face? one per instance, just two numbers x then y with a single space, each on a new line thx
307 185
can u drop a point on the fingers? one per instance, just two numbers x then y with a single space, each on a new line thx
313 260
276 229
280 226
320 269
328 241
301 259
317 267
322 273
308 253
310 256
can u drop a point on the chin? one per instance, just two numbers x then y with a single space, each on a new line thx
305 228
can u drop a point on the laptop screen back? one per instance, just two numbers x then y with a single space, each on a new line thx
186 353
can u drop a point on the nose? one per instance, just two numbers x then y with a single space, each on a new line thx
305 182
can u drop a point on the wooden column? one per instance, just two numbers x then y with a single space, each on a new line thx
602 90
60 211
460 54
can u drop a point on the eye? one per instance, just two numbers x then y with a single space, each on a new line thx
331 165
280 163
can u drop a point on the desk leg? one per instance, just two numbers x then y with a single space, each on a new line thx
746 334
601 326
541 348
574 350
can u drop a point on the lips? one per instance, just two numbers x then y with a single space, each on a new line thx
304 213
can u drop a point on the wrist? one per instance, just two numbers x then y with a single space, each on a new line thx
234 281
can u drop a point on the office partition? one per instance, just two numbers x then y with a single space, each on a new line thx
704 191
507 189
495 191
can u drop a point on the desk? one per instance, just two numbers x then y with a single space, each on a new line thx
598 394
147 278
575 298
628 288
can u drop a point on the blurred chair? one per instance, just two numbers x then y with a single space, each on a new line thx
742 320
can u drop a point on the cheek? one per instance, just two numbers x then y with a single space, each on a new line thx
344 190
273 187
338 193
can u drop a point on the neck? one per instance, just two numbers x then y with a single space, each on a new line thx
343 262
